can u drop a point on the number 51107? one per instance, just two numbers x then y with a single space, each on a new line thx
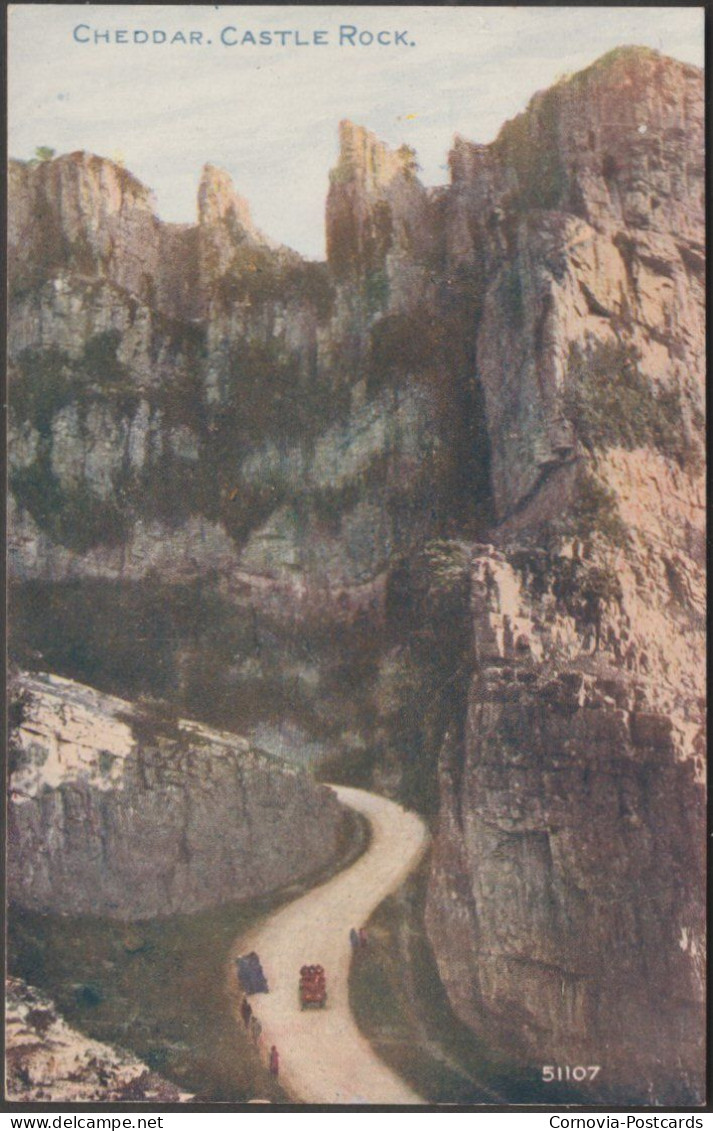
576 1072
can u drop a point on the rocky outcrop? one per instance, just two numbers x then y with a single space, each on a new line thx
561 233
565 904
380 222
584 221
117 812
86 216
47 1060
145 354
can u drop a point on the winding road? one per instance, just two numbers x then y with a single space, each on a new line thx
324 1059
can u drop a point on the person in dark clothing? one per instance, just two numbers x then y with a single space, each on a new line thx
244 974
261 986
354 939
246 1011
274 1062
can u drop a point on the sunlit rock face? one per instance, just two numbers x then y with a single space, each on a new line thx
512 363
565 905
117 812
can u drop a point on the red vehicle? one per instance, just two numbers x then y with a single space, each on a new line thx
313 987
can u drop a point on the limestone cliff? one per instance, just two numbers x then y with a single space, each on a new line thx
199 388
272 484
201 418
565 904
584 223
115 811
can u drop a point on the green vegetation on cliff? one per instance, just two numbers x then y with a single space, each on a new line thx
530 145
259 275
611 403
72 516
581 589
44 382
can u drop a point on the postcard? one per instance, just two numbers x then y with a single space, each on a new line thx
356 550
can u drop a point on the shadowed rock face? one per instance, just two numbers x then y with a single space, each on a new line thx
565 903
202 390
116 813
514 361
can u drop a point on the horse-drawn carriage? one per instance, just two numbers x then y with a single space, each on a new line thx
251 975
313 987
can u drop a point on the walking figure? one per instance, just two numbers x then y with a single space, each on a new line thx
274 1062
354 939
255 1030
246 1011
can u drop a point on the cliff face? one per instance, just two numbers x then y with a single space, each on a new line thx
201 417
507 371
114 812
565 902
89 217
584 219
205 356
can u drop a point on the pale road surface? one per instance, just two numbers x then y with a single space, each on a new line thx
323 1056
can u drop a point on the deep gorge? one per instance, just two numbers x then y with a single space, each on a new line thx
429 515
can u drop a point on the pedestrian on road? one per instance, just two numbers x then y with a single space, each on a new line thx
362 938
246 1011
274 1062
255 1031
354 939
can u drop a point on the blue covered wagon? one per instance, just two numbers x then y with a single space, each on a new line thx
251 975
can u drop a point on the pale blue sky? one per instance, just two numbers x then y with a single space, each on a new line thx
269 115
